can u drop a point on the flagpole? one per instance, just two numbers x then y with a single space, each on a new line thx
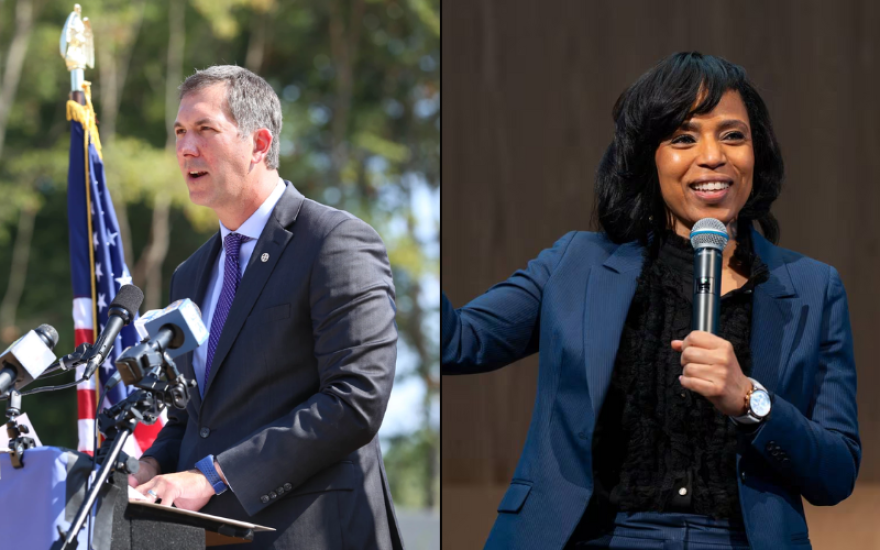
78 51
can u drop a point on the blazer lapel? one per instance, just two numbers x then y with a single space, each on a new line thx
203 270
195 289
272 241
610 291
773 307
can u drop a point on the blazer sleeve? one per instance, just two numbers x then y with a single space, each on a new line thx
820 453
351 297
166 448
502 325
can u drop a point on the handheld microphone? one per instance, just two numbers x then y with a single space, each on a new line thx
26 359
122 311
708 237
173 331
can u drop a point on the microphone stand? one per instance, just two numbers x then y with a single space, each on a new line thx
18 439
118 422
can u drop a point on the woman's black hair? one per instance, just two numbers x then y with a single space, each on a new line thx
629 205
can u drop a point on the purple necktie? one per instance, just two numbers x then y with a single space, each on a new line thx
231 278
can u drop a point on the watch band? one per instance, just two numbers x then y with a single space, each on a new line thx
206 466
749 418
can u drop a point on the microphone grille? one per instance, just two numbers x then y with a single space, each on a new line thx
129 298
709 233
50 334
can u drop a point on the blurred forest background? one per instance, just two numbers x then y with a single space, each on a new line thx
359 82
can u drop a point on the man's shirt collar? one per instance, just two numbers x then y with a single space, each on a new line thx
253 226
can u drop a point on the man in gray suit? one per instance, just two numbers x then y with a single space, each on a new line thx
295 377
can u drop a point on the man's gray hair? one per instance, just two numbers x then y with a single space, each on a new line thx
252 103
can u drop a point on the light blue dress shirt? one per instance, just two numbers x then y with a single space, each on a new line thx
252 228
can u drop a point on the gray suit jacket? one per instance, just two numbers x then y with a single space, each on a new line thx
299 383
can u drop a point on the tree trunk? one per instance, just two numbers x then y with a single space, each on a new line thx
17 274
343 47
256 42
174 76
114 72
148 271
24 18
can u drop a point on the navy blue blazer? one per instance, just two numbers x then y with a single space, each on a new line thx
570 304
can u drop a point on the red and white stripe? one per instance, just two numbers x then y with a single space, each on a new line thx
87 396
85 391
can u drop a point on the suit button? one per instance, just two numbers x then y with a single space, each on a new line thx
264 499
272 494
742 476
288 486
280 490
204 432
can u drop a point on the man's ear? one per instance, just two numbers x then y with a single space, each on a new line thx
262 143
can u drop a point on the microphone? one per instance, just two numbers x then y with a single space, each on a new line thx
26 359
708 237
173 331
122 310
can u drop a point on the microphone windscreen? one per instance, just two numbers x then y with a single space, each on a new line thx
129 298
710 233
48 334
184 318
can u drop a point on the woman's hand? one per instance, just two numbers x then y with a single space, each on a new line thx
712 370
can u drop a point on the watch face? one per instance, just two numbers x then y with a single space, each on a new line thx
760 403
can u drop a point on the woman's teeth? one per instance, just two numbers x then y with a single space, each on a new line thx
711 186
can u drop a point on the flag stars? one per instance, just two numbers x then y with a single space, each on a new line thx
102 304
113 238
95 239
124 280
98 272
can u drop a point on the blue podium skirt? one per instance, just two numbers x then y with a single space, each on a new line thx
669 531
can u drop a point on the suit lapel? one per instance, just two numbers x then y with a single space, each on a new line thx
610 291
195 289
274 239
775 302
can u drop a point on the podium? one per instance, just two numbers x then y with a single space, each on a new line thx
41 499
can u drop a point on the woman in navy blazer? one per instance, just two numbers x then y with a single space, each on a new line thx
692 140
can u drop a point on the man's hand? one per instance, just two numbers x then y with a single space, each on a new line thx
189 490
712 370
149 469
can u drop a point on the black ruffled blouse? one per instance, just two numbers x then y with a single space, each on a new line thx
658 447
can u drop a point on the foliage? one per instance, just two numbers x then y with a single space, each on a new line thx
406 457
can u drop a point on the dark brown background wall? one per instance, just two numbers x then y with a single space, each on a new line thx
529 88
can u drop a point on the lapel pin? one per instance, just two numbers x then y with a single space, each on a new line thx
265 257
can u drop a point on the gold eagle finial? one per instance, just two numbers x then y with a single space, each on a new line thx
77 42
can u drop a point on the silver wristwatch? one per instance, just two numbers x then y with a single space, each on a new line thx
757 405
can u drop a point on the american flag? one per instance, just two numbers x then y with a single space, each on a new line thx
98 270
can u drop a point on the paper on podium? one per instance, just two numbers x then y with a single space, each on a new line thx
218 530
